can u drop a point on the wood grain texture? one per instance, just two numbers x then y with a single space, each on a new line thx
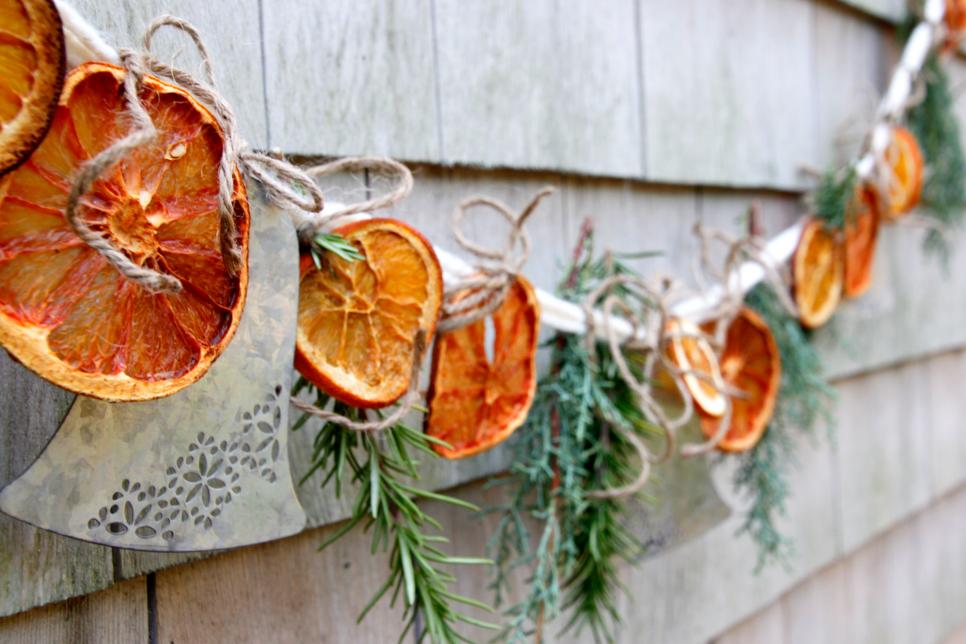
119 614
350 77
724 105
230 30
905 587
853 58
540 84
38 567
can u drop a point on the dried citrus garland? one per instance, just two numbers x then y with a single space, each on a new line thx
818 270
32 62
358 320
475 403
751 365
68 314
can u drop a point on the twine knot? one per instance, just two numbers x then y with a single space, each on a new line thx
478 295
283 182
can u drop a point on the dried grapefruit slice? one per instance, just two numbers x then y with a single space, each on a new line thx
68 314
474 402
32 62
692 353
818 269
905 162
751 364
861 232
358 320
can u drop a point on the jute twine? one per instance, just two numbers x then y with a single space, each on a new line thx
478 295
315 223
405 404
283 182
650 337
325 221
751 248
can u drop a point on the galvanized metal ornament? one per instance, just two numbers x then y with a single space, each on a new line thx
204 469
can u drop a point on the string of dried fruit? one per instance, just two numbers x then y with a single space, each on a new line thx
565 452
369 301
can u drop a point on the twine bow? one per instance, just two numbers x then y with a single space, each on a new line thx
477 296
325 220
283 182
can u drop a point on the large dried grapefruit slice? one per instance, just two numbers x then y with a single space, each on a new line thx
751 364
32 62
904 158
818 269
861 232
68 314
358 320
694 355
476 402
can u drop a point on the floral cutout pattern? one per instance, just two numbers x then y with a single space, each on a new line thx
199 485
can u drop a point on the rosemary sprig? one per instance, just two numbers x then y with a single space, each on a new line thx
335 244
383 469
564 450
804 400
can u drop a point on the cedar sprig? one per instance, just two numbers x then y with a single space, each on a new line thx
383 468
936 127
804 402
832 198
564 450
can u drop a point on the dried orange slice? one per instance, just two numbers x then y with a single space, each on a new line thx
818 269
32 62
692 353
905 161
358 321
751 364
68 314
476 402
861 232
955 18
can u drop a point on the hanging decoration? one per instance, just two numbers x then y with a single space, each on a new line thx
132 265
32 64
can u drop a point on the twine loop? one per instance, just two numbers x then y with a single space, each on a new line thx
478 295
283 182
326 220
649 339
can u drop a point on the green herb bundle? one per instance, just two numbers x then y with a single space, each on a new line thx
804 399
383 470
566 449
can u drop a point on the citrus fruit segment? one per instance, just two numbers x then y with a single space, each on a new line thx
476 402
861 233
818 270
358 320
65 312
693 353
904 158
751 364
955 18
32 62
